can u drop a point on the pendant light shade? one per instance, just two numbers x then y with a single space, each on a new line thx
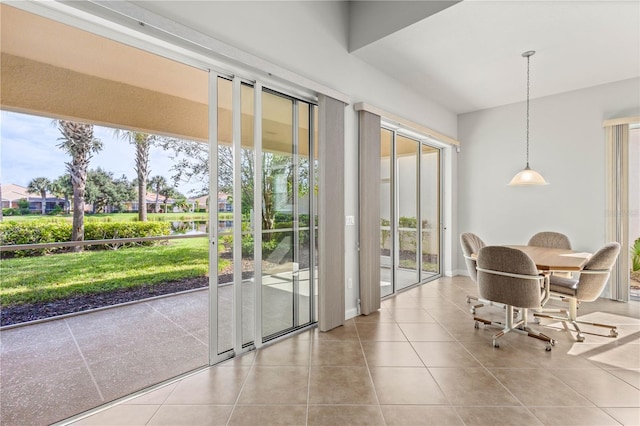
528 176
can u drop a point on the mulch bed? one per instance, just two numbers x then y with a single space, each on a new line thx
34 311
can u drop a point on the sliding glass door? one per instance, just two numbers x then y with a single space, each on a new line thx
409 211
265 197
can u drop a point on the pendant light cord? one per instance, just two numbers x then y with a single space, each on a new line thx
528 59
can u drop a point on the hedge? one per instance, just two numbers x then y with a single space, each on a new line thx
40 232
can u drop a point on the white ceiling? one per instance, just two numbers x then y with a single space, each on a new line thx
468 56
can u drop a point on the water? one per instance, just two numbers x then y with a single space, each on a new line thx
189 227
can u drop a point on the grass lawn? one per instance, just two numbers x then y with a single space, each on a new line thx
46 278
114 217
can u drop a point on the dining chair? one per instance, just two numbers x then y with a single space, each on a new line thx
587 288
470 244
550 239
509 276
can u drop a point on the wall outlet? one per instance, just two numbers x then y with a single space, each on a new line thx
350 221
350 283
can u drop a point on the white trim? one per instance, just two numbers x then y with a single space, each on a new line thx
351 313
257 214
391 120
619 121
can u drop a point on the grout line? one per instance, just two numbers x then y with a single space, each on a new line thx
177 325
311 340
366 363
86 364
244 382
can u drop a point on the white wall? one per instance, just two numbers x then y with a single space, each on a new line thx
310 38
567 148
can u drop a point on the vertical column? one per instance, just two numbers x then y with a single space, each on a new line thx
331 300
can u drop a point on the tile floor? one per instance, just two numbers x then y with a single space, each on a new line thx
419 360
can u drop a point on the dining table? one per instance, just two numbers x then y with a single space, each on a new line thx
555 259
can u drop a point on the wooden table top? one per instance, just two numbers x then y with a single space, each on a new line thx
552 259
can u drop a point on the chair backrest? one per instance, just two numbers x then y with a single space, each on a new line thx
595 274
551 240
471 243
520 288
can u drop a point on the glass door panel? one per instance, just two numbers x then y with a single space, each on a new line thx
277 214
406 164
430 210
386 210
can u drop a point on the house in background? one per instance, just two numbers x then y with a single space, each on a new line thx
12 194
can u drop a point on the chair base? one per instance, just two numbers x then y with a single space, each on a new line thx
518 326
483 302
570 317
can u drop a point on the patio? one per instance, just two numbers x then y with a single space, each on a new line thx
58 368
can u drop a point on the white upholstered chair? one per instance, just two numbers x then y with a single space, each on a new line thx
587 288
509 276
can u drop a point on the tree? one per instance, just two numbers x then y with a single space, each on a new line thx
182 204
168 192
143 143
40 185
78 141
192 163
157 184
61 187
105 193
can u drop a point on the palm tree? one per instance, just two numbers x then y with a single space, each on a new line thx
61 187
157 184
40 185
142 142
78 141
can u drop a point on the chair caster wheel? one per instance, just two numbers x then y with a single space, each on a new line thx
613 333
476 325
580 338
548 348
496 344
468 300
473 311
536 320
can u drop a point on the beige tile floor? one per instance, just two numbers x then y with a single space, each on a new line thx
419 360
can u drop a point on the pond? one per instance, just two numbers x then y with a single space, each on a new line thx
189 227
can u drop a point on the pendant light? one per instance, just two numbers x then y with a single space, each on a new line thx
528 176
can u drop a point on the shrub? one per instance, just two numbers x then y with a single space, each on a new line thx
40 232
56 211
36 232
635 255
10 212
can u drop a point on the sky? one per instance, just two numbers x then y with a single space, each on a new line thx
28 149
